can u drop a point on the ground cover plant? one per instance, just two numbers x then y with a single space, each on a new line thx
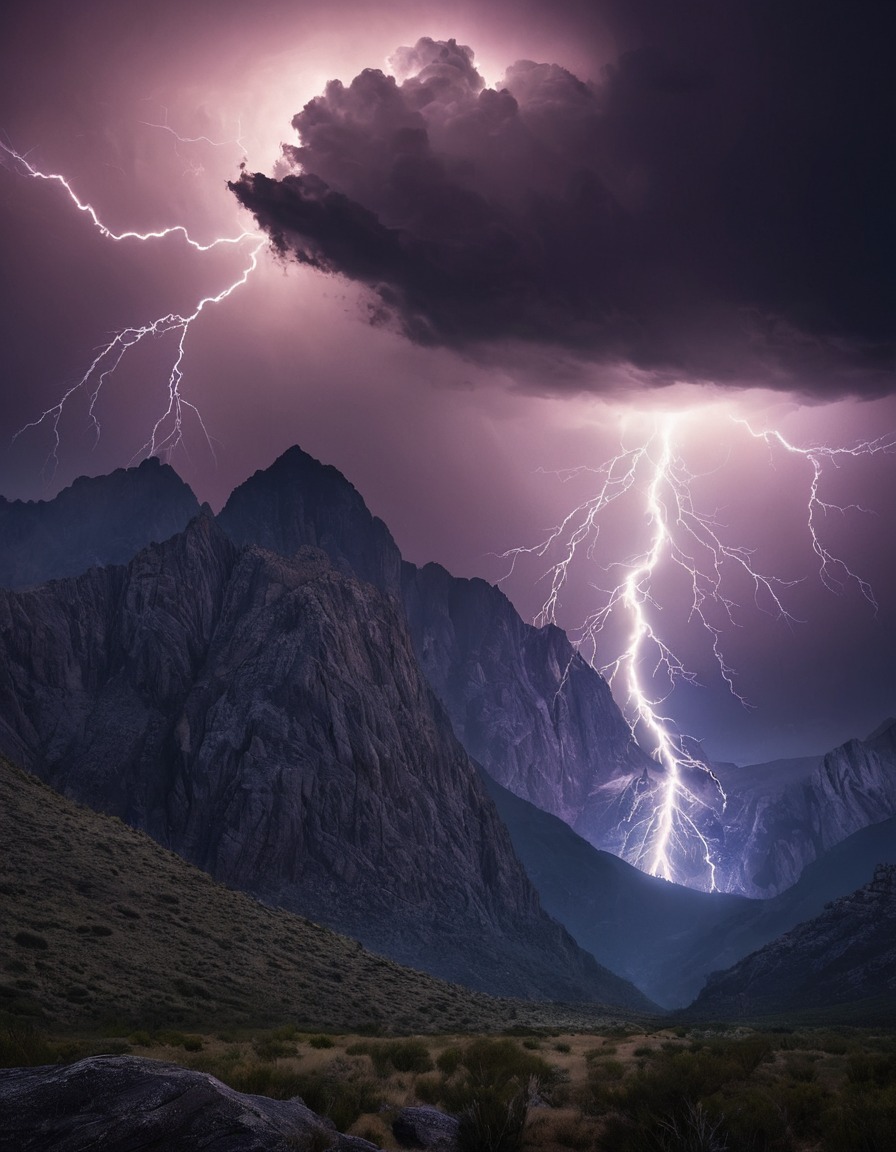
704 1089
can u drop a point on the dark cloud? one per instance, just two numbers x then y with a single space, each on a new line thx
709 214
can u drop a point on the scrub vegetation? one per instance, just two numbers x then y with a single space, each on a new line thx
702 1089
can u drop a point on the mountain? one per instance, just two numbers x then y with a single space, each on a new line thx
666 937
101 923
775 828
299 501
845 955
264 716
521 700
101 520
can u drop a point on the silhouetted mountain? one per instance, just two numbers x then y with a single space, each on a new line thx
100 520
299 501
846 954
265 717
665 937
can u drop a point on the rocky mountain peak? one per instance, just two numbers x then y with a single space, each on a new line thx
97 520
297 501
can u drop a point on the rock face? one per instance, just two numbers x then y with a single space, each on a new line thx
121 1103
105 520
845 955
522 702
265 717
773 833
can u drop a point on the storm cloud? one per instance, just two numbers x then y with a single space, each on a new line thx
686 215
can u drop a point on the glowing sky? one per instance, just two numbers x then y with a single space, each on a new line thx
690 212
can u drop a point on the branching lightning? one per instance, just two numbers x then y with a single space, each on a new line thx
670 818
167 432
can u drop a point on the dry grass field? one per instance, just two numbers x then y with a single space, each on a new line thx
613 1090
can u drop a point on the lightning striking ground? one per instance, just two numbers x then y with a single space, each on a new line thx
168 429
673 825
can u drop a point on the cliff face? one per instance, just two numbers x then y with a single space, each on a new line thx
846 954
264 717
104 520
520 699
523 702
773 835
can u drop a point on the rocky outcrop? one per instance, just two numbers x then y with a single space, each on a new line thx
844 956
299 501
774 833
122 1103
265 717
101 520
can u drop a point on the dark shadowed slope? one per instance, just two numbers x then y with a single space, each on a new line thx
847 954
265 717
664 937
99 923
101 520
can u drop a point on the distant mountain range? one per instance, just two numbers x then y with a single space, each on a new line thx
276 695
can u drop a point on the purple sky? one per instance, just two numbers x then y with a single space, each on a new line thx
684 208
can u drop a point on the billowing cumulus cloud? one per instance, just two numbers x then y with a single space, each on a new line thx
659 218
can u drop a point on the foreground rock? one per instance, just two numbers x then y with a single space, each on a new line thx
426 1128
124 1103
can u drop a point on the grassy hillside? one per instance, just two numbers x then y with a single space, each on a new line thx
99 926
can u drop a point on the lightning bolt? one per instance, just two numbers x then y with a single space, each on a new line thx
167 432
673 823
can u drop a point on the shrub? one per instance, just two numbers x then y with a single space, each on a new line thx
494 1122
269 1048
321 1041
448 1061
22 1045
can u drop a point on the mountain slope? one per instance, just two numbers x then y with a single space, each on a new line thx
101 520
665 937
265 718
99 922
846 954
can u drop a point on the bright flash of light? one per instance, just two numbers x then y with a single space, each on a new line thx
673 826
167 432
